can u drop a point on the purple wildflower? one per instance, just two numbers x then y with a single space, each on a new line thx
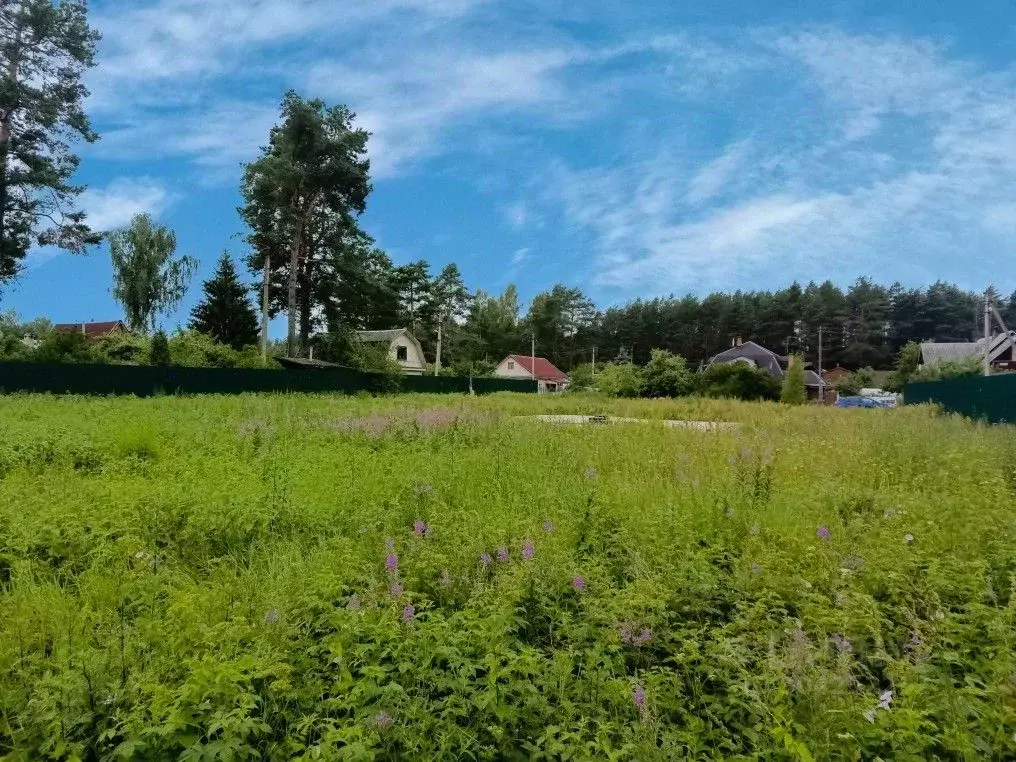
528 550
548 527
382 719
485 560
824 533
397 589
423 490
446 578
353 604
639 697
408 613
391 563
420 528
579 583
625 633
644 637
272 616
842 643
502 554
746 454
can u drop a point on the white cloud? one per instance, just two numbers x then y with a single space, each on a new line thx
113 206
517 214
519 256
711 179
927 195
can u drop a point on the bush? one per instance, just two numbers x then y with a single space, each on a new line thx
943 371
861 379
582 377
793 384
191 349
667 375
65 347
123 349
158 350
738 381
474 368
621 381
907 364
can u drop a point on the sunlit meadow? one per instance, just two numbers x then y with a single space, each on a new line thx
297 577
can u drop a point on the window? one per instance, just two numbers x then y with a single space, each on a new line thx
401 354
511 366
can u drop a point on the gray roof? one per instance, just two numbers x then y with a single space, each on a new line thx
932 353
749 350
370 336
811 378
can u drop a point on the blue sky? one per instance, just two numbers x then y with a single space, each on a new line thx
632 149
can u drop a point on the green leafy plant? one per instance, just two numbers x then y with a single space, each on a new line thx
621 380
793 392
666 375
738 381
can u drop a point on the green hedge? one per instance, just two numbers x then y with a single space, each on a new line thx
145 381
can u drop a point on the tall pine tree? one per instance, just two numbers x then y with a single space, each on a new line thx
45 48
225 313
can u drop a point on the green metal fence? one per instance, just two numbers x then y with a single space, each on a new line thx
989 398
145 381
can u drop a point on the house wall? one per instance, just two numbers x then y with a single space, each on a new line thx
414 364
504 371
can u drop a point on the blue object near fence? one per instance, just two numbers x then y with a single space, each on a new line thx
146 381
873 402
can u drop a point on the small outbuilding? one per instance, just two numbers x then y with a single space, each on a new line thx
402 347
550 378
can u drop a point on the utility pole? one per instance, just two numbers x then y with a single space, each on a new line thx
594 362
437 360
987 334
532 359
264 310
821 381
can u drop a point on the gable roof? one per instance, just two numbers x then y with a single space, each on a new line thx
545 369
935 352
92 330
811 378
387 335
749 350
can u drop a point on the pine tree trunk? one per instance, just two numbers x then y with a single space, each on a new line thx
294 275
305 302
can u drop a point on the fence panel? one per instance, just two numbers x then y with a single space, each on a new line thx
145 381
989 398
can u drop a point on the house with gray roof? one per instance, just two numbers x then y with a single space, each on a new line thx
758 356
402 347
1001 351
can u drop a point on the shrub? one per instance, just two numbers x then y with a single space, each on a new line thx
943 371
667 375
191 349
907 364
123 349
158 351
738 381
793 384
582 377
474 368
621 381
861 379
65 347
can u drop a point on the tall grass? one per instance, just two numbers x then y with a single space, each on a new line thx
213 578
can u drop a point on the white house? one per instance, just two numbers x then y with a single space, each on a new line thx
521 366
402 347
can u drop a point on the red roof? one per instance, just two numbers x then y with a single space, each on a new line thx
92 330
545 369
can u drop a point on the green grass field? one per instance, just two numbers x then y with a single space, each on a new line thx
241 578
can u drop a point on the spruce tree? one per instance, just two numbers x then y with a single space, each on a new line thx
225 313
